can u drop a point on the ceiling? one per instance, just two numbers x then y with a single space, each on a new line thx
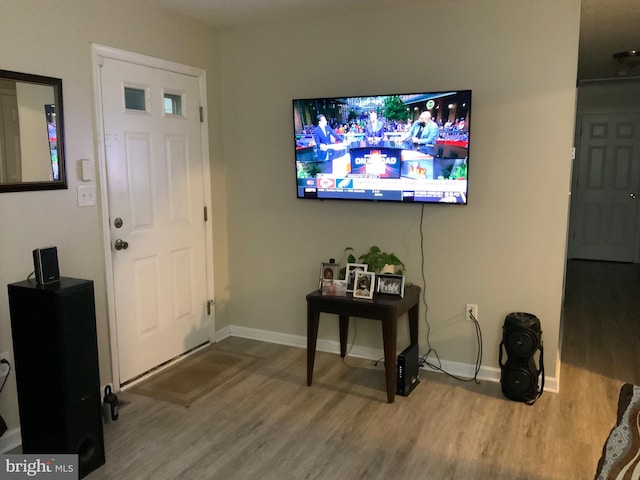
606 26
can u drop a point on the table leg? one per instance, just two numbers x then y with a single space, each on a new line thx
344 334
389 334
413 323
313 318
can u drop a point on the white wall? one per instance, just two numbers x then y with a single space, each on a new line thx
505 251
54 39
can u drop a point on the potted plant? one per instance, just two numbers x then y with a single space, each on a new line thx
376 261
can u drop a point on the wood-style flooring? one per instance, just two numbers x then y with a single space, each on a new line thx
267 424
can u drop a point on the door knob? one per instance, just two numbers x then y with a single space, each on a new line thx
120 244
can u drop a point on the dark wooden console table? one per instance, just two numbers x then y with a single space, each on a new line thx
386 308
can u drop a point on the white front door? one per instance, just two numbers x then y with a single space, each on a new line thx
154 167
606 188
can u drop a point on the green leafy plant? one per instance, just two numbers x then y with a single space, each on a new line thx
460 172
308 170
375 259
395 109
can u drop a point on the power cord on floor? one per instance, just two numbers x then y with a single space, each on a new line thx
423 360
353 342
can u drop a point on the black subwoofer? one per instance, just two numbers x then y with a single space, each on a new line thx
522 374
56 364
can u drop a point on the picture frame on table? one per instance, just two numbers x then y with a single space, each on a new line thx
335 288
364 284
350 273
329 271
390 284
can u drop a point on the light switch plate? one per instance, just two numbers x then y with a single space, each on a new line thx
86 195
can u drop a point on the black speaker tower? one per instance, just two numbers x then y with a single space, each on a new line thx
521 377
56 364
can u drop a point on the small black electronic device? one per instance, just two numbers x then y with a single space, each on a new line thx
407 370
110 405
45 265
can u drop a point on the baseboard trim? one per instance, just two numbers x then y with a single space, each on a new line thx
464 370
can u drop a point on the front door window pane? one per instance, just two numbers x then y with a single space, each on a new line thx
134 98
172 104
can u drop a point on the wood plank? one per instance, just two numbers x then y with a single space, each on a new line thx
267 423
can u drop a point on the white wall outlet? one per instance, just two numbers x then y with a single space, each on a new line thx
5 367
471 309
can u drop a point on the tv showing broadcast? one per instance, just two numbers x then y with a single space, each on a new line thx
397 148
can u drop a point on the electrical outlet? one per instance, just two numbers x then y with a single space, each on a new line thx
5 367
472 309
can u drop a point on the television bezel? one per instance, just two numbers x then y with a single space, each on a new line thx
433 94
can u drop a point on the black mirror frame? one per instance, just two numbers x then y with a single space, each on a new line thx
56 83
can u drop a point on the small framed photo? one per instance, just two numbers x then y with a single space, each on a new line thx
336 288
350 273
364 284
390 284
329 271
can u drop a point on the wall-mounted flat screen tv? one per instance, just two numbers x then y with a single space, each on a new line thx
410 147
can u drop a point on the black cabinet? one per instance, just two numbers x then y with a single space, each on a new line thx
56 365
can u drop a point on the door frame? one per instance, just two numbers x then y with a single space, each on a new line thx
580 113
98 53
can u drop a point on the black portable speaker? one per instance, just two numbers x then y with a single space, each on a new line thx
522 379
45 265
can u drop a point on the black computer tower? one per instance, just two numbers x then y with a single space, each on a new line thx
56 366
407 370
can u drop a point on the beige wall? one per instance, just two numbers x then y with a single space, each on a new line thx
505 251
35 153
54 39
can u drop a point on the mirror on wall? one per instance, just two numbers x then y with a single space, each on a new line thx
31 133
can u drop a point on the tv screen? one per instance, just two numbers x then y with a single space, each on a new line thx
397 148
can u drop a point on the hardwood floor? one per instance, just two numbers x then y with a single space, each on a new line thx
267 424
